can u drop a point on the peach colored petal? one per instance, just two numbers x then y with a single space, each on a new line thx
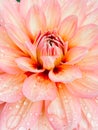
85 87
85 36
39 87
91 5
36 21
27 64
89 108
22 114
7 57
68 27
10 87
52 12
42 123
75 55
65 116
65 74
18 36
74 7
91 18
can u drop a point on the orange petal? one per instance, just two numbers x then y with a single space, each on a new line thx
27 64
20 115
85 36
52 12
10 87
75 54
86 86
36 21
68 27
65 73
39 87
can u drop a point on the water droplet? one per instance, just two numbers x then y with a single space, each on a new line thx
13 121
22 128
25 103
89 115
17 106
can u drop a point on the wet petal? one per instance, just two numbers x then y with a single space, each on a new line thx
27 64
68 27
39 87
86 86
85 36
75 54
89 108
65 73
7 57
10 87
36 21
52 12
22 114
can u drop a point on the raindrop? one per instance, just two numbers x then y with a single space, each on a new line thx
25 103
13 121
17 106
22 128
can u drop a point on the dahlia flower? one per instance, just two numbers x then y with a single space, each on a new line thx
49 65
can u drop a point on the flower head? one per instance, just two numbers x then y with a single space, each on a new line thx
49 65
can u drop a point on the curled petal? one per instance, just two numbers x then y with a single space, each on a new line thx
85 36
65 74
85 87
27 64
36 21
53 13
19 115
39 87
10 87
68 27
75 54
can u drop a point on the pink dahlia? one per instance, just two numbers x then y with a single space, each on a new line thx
49 65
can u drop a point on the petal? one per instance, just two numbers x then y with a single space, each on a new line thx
74 7
86 86
22 114
68 27
75 54
39 87
92 5
65 73
7 57
10 87
27 64
85 36
36 21
91 18
89 108
65 116
53 13
18 36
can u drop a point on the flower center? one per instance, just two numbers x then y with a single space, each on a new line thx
50 50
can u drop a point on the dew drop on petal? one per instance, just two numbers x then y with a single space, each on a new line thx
13 121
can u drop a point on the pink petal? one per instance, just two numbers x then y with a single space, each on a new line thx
90 110
85 36
39 87
52 12
42 123
75 54
7 57
27 64
65 74
91 18
22 114
86 86
18 36
74 7
91 5
36 21
67 115
10 87
68 27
